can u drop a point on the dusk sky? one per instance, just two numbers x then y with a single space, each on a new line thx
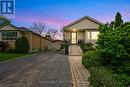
61 12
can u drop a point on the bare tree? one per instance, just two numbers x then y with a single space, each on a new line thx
52 32
61 33
39 28
46 31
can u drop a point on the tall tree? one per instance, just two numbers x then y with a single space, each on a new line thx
118 20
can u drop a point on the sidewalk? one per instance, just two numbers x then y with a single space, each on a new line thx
78 71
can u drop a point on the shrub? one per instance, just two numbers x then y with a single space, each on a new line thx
10 50
81 42
87 47
3 46
101 77
90 59
22 45
65 45
113 46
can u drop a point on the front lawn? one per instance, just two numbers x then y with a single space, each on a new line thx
8 56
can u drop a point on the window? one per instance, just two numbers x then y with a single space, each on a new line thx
94 35
9 35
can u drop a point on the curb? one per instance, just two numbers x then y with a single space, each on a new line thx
29 55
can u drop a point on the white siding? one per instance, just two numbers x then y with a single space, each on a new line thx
8 27
80 35
84 24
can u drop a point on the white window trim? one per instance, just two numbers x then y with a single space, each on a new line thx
9 38
90 35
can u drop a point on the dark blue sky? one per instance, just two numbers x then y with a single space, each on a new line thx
62 12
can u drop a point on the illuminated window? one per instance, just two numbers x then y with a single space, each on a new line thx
94 35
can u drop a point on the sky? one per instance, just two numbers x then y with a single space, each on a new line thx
58 13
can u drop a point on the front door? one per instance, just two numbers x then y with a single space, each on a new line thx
73 38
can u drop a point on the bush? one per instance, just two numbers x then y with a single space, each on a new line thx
87 47
65 46
101 77
3 46
81 42
22 45
90 59
113 46
10 50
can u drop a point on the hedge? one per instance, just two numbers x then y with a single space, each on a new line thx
90 59
103 76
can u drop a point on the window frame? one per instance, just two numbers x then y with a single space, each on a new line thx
90 36
5 38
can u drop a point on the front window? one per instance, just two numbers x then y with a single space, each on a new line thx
92 35
9 35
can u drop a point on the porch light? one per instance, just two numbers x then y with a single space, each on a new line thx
74 29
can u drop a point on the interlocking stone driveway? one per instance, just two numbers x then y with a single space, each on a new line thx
48 69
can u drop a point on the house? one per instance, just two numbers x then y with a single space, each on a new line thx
9 33
84 29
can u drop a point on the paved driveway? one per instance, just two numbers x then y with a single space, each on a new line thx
49 69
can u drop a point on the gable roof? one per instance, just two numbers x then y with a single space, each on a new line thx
85 17
23 29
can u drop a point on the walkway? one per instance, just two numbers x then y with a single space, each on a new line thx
79 73
48 69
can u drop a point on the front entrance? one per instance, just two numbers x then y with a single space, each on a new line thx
73 38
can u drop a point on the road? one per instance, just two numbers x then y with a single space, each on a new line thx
48 69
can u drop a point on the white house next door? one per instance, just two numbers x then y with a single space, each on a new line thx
73 38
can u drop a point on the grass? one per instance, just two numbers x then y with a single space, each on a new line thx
8 56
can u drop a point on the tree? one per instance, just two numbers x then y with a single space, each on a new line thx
44 30
3 46
22 45
39 28
61 32
118 20
52 32
4 20
113 46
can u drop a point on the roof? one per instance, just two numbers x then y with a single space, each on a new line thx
85 17
24 30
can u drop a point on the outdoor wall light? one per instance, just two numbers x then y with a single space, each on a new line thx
74 29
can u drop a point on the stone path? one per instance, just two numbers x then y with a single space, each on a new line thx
75 50
48 69
79 73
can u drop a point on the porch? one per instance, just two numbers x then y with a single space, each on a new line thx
77 36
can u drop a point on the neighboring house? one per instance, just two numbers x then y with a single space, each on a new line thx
9 33
84 29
